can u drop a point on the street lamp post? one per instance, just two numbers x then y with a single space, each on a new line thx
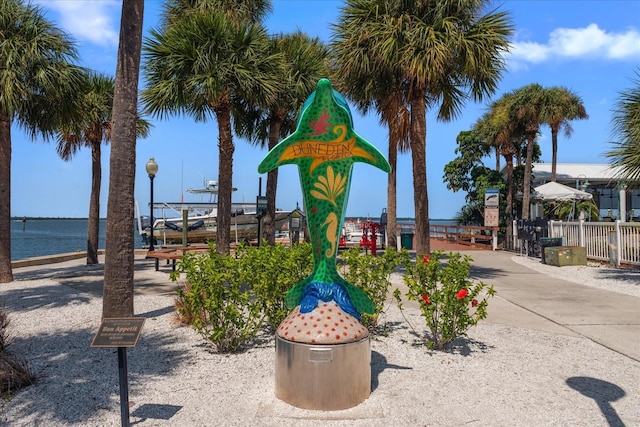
585 183
581 186
152 170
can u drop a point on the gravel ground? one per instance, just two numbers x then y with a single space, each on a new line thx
498 376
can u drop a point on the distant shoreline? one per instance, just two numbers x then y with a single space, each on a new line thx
39 218
48 218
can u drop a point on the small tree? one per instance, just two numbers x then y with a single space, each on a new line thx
572 209
450 301
216 301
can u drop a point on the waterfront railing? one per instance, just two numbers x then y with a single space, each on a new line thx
617 242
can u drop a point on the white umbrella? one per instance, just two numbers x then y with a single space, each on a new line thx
554 191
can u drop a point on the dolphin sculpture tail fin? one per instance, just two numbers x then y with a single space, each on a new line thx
309 293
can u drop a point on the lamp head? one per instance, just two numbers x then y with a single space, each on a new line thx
152 168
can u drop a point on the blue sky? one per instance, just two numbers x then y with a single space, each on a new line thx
590 47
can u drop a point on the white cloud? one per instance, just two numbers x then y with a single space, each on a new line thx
529 52
590 42
95 21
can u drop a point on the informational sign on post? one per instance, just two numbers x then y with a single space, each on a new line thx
491 217
492 207
118 332
491 197
261 206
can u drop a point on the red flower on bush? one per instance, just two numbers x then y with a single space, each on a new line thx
474 302
462 293
426 259
426 299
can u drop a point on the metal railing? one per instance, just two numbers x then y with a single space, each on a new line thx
617 242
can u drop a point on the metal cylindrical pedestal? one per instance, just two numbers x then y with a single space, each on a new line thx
323 377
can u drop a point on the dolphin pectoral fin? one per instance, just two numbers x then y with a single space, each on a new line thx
272 159
367 153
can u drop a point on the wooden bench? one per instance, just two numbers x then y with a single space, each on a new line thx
168 254
172 254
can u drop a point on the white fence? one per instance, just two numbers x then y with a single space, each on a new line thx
617 242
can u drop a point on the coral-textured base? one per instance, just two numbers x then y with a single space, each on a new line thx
326 324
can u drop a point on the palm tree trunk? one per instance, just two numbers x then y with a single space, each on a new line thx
419 158
392 238
93 230
526 185
6 275
117 299
269 221
225 179
554 153
509 160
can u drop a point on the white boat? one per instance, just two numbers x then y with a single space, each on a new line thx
353 231
201 220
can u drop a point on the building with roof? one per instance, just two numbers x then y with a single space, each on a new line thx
613 196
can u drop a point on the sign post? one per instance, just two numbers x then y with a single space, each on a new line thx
120 332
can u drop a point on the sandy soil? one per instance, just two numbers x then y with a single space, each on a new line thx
498 376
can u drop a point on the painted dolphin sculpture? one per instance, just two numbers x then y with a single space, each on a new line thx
325 147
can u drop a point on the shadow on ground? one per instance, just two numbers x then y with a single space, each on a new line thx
378 365
90 278
627 276
94 384
155 412
603 392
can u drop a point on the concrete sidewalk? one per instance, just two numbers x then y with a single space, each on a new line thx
525 298
528 299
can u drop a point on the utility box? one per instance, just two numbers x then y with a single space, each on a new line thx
561 256
548 242
406 238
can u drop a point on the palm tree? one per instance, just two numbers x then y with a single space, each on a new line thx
527 107
304 62
444 53
90 130
37 82
236 10
384 93
394 112
561 106
626 128
498 131
205 64
117 298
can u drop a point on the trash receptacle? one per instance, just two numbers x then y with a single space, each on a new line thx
548 242
406 238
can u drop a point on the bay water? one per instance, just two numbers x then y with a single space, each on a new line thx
50 236
45 236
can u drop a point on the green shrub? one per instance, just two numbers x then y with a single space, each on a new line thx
271 271
217 301
371 274
15 371
449 301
